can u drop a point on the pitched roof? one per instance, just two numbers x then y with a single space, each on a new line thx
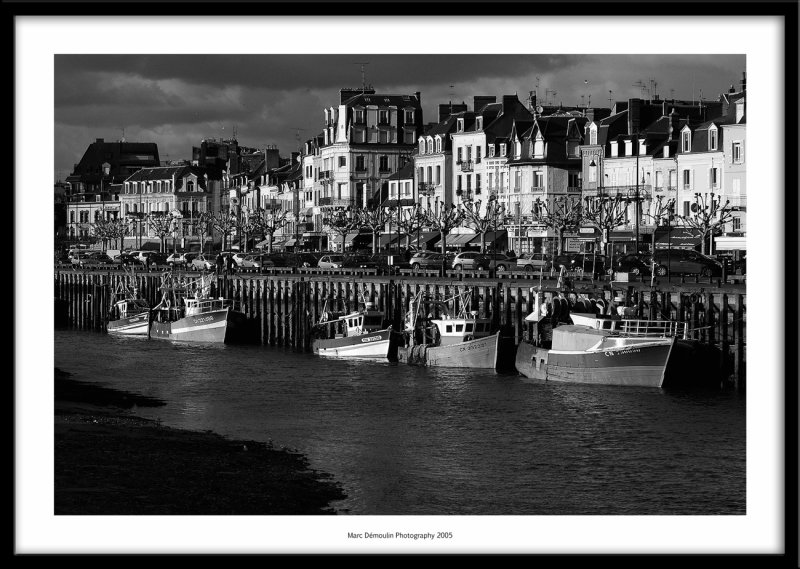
372 99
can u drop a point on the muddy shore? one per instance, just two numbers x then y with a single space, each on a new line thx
108 461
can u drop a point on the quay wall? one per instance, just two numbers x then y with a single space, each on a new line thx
282 307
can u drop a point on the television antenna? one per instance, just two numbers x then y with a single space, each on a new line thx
363 74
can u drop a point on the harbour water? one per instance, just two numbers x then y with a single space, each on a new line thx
406 440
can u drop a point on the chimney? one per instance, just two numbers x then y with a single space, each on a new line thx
480 101
508 102
100 140
634 115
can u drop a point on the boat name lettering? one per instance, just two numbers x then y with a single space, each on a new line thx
473 347
631 351
204 319
371 339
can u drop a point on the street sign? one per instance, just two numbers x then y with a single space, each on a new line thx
587 230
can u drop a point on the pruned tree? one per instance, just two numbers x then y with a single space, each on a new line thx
162 224
226 223
708 215
269 222
661 210
409 221
443 220
341 222
605 213
375 219
561 214
483 220
204 227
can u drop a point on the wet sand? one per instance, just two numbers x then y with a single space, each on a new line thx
108 461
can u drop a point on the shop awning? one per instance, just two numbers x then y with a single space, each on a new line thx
424 238
725 243
678 238
457 239
290 242
491 236
388 238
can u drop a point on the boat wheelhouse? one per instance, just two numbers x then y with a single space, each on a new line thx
130 314
363 333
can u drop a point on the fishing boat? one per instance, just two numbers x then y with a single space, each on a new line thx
601 353
460 341
188 313
363 333
130 314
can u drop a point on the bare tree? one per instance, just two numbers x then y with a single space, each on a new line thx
443 220
341 222
483 221
661 210
226 224
563 213
204 225
375 219
162 224
606 214
409 221
708 215
269 222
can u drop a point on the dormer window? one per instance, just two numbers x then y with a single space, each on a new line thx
502 149
712 139
628 148
422 147
491 151
409 117
593 135
383 117
479 123
359 116
460 125
438 144
430 146
538 148
614 149
642 148
686 141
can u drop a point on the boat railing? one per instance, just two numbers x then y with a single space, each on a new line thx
652 328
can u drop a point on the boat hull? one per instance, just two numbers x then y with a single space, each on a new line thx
217 326
373 345
480 353
635 365
130 326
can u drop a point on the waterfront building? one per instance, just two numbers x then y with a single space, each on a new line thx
367 137
433 163
185 190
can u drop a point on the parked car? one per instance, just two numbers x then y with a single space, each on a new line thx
360 261
180 259
203 262
124 258
239 257
390 262
430 260
589 263
155 259
561 261
637 264
299 259
533 262
331 262
465 260
257 261
90 258
497 261
685 262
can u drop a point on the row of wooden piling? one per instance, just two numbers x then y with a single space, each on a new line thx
282 309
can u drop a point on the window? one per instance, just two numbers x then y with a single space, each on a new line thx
477 154
502 149
712 178
72 217
469 183
518 149
458 160
438 175
538 148
459 327
538 180
342 161
190 186
659 179
422 147
384 163
448 329
687 179
479 123
438 144
592 173
491 179
360 164
359 119
593 136
614 149
712 139
409 116
430 174
736 153
737 224
383 137
468 327
407 188
491 151
477 183
686 141
460 125
383 117
517 180
458 183
628 148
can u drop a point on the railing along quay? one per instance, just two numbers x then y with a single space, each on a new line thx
283 305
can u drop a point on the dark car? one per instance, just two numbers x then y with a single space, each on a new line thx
90 259
359 261
562 261
155 259
636 264
499 261
685 262
589 263
390 262
124 258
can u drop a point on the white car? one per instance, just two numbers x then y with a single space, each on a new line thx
201 262
465 260
331 262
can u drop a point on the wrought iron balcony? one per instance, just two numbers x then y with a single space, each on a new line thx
537 189
467 166
426 188
337 202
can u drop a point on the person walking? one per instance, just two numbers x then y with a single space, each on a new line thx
230 264
220 261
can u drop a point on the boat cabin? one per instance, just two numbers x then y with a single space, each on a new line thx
196 306
458 330
131 307
358 323
632 326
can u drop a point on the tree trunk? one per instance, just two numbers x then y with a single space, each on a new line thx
483 242
444 242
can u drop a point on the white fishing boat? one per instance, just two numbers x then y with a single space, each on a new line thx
597 352
130 314
461 341
362 333
187 313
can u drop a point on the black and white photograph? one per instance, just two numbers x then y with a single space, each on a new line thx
315 293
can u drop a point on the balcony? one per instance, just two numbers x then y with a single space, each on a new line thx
662 189
467 166
643 190
537 189
427 187
737 203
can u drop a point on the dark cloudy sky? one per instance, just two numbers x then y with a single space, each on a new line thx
176 100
